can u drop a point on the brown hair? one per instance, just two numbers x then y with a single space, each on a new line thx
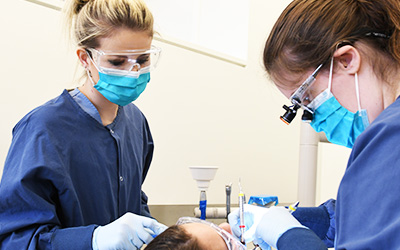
307 32
89 20
174 238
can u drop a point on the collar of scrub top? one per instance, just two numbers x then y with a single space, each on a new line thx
85 104
231 242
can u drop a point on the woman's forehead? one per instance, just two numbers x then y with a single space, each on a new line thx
125 39
289 82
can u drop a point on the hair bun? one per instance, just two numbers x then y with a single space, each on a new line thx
79 5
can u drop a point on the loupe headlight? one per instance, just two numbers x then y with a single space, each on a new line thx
290 113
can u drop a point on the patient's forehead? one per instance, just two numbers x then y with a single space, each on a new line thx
207 237
226 227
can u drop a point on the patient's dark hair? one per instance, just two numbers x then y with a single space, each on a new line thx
174 238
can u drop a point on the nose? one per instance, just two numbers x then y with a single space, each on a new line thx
136 67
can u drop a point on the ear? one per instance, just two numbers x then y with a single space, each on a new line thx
348 58
83 57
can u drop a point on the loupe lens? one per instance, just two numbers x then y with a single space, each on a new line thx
307 116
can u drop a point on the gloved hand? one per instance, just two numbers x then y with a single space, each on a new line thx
273 224
129 231
252 216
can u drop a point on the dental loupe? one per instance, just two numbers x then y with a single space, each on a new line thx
290 113
298 98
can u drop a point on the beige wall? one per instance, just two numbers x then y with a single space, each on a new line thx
35 64
202 111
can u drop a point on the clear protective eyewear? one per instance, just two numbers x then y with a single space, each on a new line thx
231 242
127 62
301 98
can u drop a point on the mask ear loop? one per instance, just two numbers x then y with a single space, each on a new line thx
331 70
330 76
90 77
355 78
357 93
87 69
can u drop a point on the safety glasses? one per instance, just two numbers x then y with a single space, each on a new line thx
231 242
125 62
303 96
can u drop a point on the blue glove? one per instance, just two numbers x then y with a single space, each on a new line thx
252 216
129 231
273 225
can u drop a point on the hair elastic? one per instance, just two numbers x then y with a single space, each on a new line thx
377 34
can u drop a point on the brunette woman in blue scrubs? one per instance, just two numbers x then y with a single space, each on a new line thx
352 49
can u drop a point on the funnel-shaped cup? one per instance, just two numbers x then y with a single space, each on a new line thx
203 175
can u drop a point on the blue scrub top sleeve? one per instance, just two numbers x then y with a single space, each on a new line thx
28 191
300 239
148 156
330 207
145 211
321 220
73 238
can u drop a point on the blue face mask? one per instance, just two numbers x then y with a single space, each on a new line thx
122 90
340 126
118 86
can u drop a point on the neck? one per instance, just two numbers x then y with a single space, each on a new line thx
107 110
390 93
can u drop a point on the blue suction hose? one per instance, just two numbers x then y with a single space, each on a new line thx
203 204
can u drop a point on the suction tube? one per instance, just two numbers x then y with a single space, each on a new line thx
203 204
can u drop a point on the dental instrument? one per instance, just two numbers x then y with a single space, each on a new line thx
293 207
228 189
241 213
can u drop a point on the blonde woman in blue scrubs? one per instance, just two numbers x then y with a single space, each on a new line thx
73 175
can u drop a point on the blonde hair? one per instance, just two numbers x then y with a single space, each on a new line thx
89 20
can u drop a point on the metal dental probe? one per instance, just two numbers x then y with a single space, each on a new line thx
241 213
228 189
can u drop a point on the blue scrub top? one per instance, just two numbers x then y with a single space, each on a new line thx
66 173
367 207
366 215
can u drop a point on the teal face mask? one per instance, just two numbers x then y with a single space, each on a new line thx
120 87
122 90
340 126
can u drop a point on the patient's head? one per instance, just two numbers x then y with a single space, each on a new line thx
194 234
175 237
